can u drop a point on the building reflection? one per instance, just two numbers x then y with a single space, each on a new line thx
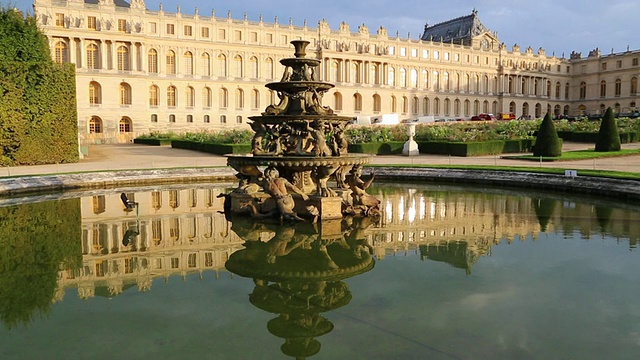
181 230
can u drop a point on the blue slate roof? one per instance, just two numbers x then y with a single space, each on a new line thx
459 29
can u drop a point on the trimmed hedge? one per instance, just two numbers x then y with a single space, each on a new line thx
592 137
386 148
494 147
212 148
152 141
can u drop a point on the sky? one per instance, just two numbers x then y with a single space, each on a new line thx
557 26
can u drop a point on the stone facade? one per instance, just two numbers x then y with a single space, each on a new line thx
140 71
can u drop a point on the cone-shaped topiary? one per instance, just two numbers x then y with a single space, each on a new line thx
608 137
548 143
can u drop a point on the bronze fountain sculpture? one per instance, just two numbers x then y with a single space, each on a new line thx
298 146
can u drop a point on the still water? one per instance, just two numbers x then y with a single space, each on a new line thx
447 273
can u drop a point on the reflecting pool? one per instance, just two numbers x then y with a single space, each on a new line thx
448 272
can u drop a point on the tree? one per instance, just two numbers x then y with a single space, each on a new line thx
608 137
548 143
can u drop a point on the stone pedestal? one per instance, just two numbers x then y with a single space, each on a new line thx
411 147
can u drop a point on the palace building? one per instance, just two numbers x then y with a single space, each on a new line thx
141 71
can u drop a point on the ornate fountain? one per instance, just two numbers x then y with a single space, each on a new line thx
298 146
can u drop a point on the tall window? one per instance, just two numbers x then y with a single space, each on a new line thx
337 101
95 125
171 96
415 103
190 95
425 106
188 63
92 56
558 90
123 58
566 91
414 78
171 62
62 51
403 77
154 95
634 85
392 76
153 61
268 69
239 99
377 103
206 97
238 63
124 125
583 90
603 88
125 94
223 98
222 65
405 105
95 93
357 102
92 23
253 67
205 64
394 104
255 99
618 87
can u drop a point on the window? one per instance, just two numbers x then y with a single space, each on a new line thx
189 118
238 119
237 35
603 88
153 61
170 29
618 87
190 95
125 94
566 91
270 38
60 19
268 69
254 37
634 85
61 50
188 63
377 103
253 67
172 118
255 99
603 66
436 55
222 65
337 101
154 118
206 98
239 99
583 90
284 39
92 23
394 104
414 52
92 56
123 58
207 119
237 60
222 34
95 96
171 96
634 62
204 32
403 51
188 30
153 28
425 53
223 98
95 125
223 119
122 25
124 125
171 62
357 102
619 64
392 50
446 56
205 64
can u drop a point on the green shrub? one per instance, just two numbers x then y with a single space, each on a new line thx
608 137
387 148
548 144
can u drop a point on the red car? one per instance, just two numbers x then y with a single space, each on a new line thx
483 117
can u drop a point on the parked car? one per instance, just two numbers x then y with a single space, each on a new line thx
506 116
483 117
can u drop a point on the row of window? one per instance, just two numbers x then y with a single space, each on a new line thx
96 127
633 88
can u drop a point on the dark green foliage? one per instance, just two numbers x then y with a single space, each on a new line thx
151 141
548 144
34 246
386 148
479 148
608 137
544 209
38 115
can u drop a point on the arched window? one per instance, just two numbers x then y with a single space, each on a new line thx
392 76
171 62
538 112
95 93
456 107
357 102
207 119
558 90
583 90
467 108
337 101
223 119
603 88
436 106
476 107
239 99
268 68
189 118
405 105
154 118
92 56
447 107
415 105
125 94
618 87
525 109
154 95
425 79
125 125
152 57
425 106
238 119
171 96
190 95
566 91
187 58
356 69
205 64
485 106
239 66
95 125
335 71
222 65
414 78
62 52
375 69
634 85
123 58
403 77
223 98
253 67
255 99
435 81
172 118
445 80
206 97
377 103
556 110
394 104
